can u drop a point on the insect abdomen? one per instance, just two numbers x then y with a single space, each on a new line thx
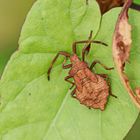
93 93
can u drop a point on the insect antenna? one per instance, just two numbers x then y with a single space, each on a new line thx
88 43
87 47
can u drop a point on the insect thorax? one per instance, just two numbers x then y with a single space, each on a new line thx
77 67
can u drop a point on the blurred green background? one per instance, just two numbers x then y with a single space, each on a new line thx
137 1
12 16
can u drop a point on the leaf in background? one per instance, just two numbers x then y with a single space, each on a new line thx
137 1
33 108
121 52
135 6
106 5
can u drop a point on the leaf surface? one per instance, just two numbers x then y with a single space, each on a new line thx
137 1
33 108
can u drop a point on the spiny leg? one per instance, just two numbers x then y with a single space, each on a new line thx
73 93
67 79
88 42
53 61
105 76
98 62
66 66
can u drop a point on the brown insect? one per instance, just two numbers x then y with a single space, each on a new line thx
91 89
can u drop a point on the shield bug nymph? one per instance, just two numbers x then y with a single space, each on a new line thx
91 89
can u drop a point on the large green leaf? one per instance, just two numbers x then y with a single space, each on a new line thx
137 1
33 108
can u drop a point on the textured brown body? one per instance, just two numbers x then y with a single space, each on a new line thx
92 90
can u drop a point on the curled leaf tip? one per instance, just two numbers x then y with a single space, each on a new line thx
106 5
121 49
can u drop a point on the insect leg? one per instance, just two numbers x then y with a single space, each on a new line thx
86 41
98 62
73 93
66 66
53 61
87 45
67 79
86 48
105 76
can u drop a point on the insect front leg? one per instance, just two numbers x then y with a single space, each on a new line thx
105 76
67 79
66 66
55 58
98 62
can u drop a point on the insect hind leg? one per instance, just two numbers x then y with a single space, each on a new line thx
67 79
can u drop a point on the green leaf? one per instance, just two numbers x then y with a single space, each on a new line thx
106 33
33 108
137 1
132 68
